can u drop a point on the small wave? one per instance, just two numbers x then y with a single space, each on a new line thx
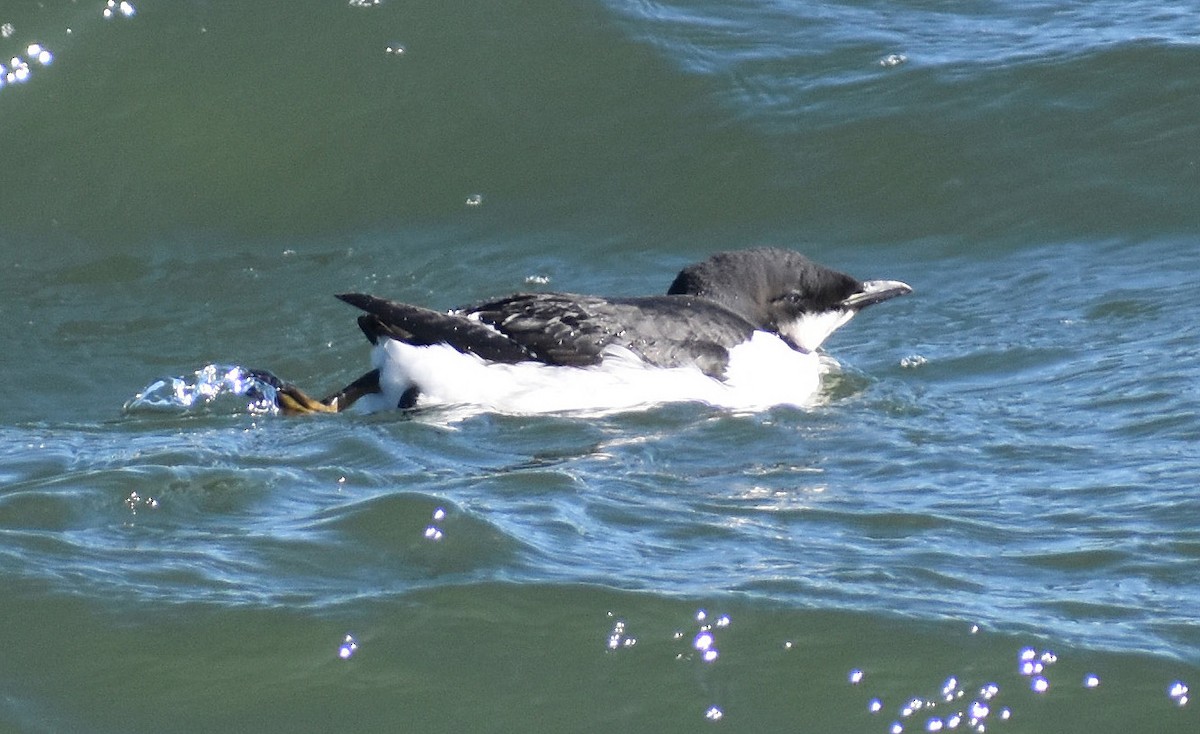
208 389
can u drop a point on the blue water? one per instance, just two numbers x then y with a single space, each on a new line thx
1006 459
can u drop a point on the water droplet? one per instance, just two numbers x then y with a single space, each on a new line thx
618 637
348 647
135 501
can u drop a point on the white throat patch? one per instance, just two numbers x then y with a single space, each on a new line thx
809 331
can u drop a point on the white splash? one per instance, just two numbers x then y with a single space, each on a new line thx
204 387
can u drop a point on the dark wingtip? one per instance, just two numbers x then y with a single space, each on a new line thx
358 300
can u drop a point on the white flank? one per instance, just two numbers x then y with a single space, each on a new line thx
762 372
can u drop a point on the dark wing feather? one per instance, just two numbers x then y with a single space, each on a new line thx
667 331
682 330
567 329
423 327
555 328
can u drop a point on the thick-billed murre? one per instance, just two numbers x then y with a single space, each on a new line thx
740 329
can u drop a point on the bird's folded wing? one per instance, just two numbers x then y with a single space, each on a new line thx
566 329
423 327
555 328
666 331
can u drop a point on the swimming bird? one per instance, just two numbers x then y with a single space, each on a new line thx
740 329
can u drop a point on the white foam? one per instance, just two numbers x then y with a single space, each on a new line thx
762 373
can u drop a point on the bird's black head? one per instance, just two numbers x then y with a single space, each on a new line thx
784 292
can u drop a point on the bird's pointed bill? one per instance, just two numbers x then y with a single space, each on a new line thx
876 291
